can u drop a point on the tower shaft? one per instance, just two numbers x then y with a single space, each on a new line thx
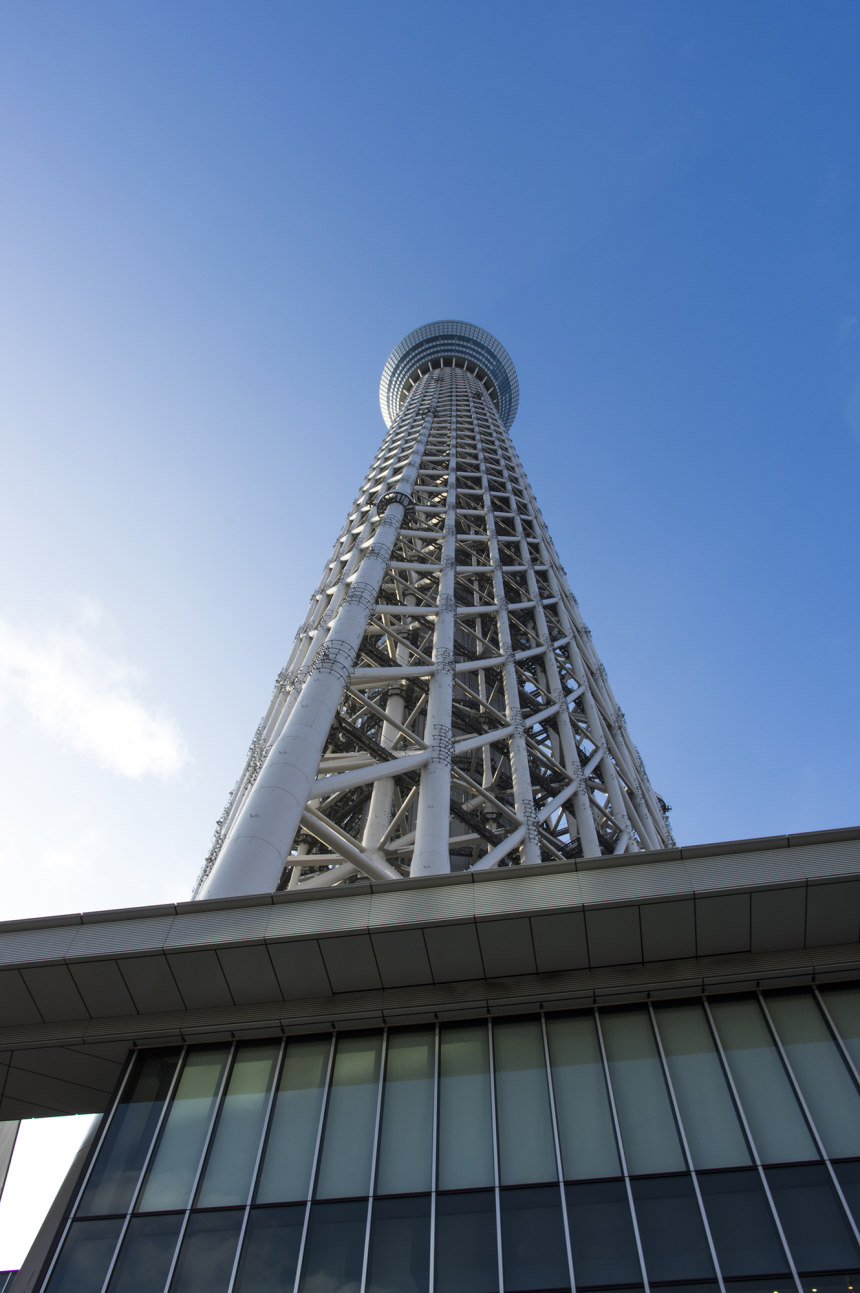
443 707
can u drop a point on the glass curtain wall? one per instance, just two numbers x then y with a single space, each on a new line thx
709 1144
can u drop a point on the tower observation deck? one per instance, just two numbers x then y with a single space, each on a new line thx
443 708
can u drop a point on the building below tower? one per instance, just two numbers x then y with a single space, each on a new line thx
640 1074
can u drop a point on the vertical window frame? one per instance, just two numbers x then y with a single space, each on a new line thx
757 1162
825 1157
622 1156
279 1063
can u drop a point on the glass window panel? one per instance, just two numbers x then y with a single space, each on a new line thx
648 1130
350 1120
813 1219
582 1109
465 1126
467 1259
741 1224
406 1134
270 1250
289 1153
147 1251
671 1230
827 1087
85 1256
399 1260
526 1148
848 1175
334 1253
707 1111
534 1254
776 1122
174 1166
601 1234
132 1127
233 1152
205 1261
843 1006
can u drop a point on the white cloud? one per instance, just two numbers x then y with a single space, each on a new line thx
43 1155
84 698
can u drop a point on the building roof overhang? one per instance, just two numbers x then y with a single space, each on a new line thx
77 991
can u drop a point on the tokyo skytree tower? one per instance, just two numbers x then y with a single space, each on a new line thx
443 708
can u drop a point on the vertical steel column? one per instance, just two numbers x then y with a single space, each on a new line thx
431 855
582 807
254 855
520 772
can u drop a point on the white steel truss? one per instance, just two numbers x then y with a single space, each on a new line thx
443 708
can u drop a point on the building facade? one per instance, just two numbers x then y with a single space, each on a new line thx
452 1014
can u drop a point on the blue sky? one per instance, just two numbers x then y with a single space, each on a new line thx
218 219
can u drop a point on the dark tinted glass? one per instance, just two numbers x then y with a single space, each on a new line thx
671 1230
208 1250
85 1256
848 1175
534 1254
286 1170
270 1251
466 1248
173 1166
601 1234
132 1127
146 1253
741 1224
335 1248
400 1246
812 1217
227 1176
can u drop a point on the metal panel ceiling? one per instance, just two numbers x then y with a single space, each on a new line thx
559 941
833 912
777 919
506 947
723 924
350 963
668 930
454 952
613 935
402 957
300 969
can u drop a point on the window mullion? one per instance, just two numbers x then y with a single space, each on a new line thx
607 1077
253 1185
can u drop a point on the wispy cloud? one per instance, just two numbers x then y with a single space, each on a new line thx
86 698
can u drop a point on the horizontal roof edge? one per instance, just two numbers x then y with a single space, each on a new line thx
590 865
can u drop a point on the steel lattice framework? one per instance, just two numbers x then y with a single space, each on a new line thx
443 708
